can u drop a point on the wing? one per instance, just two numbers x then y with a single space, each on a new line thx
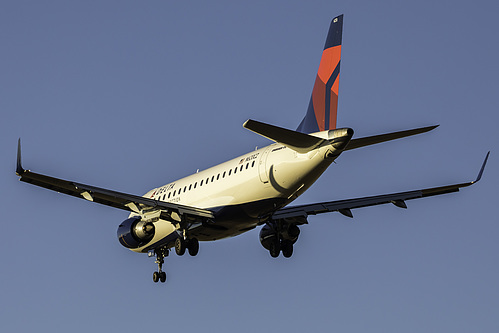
344 206
130 202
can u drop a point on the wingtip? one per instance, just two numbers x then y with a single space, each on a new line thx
482 168
427 128
19 168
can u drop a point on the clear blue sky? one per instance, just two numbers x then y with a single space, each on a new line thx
129 95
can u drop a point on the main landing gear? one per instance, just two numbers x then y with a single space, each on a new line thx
191 245
278 237
284 246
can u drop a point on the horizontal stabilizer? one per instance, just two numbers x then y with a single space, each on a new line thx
372 140
300 142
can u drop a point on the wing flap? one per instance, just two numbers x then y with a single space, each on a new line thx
108 197
344 206
103 196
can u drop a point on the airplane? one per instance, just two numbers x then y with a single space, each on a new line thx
253 189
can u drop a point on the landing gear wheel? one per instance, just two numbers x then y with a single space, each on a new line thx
193 246
155 277
275 249
180 246
162 276
287 249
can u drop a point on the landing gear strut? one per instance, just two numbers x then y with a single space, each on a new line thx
160 255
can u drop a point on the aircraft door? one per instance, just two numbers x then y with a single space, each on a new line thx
262 166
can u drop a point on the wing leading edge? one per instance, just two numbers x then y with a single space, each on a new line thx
129 202
344 206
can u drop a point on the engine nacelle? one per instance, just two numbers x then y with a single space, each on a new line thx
134 233
269 235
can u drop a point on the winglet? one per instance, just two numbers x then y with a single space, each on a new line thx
19 168
481 170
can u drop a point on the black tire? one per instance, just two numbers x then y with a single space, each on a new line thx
155 277
162 276
193 246
275 249
287 249
179 246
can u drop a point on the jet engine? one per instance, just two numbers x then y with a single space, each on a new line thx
134 233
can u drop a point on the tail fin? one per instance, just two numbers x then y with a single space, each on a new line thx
322 109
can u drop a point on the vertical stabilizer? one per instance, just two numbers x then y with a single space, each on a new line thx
322 109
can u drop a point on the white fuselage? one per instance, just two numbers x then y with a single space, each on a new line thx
243 191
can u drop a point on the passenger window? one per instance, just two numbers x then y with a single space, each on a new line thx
223 176
212 179
247 165
241 168
174 192
235 170
201 184
230 171
218 176
185 188
190 186
195 184
253 164
169 194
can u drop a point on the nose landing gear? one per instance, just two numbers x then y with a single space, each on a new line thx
181 245
160 255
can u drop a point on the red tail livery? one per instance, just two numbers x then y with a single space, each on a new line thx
323 106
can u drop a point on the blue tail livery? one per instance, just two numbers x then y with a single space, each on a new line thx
323 106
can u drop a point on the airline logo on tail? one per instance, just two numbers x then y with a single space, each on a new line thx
323 106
